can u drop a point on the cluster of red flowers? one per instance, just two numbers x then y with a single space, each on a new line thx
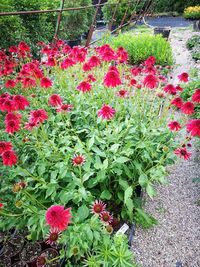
8 155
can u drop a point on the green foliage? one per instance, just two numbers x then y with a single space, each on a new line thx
193 44
173 5
192 12
141 46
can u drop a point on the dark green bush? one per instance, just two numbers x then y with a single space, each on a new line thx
194 44
140 47
173 5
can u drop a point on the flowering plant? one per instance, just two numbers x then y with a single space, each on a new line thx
80 125
192 12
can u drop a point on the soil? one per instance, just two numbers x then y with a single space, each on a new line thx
30 252
5 261
51 254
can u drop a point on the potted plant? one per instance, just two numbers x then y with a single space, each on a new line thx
76 23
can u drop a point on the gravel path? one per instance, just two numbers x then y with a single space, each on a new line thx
177 237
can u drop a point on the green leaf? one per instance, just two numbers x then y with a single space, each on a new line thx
124 184
91 142
122 159
99 152
86 176
83 213
143 179
51 189
105 164
150 190
128 194
105 195
114 148
54 174
41 169
98 164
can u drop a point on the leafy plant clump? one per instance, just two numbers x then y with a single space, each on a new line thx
82 133
192 12
141 46
193 44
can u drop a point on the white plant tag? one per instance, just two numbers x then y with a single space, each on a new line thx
123 229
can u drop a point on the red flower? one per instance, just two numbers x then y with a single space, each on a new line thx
39 115
196 96
20 102
1 205
13 49
9 158
12 126
41 260
150 61
50 62
183 77
174 125
182 153
45 82
177 102
53 236
170 89
10 84
91 78
122 93
84 87
28 82
55 100
30 125
98 207
8 105
106 217
136 71
122 55
188 108
178 88
65 108
133 82
78 160
87 67
108 55
23 47
112 79
5 146
58 217
150 81
68 62
94 61
106 112
193 127
13 116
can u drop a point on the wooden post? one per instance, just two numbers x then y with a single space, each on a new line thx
113 17
58 20
92 27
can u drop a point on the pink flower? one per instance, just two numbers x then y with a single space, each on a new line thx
5 146
78 160
183 77
136 71
94 61
30 125
196 96
170 89
106 112
10 84
106 217
112 79
9 158
58 217
98 207
20 102
53 236
150 81
182 153
122 93
84 86
177 102
174 126
12 126
188 108
193 127
39 115
55 100
65 108
68 62
45 82
150 61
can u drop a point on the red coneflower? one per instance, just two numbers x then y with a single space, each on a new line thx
20 102
188 108
183 77
193 127
50 62
78 160
58 217
170 88
39 115
9 158
30 125
84 86
23 47
91 78
28 82
183 153
5 146
1 205
174 126
106 217
12 126
179 88
98 207
53 236
55 100
86 67
133 82
94 61
10 84
177 102
8 105
106 112
41 260
112 79
45 82
196 96
65 108
122 93
68 62
150 61
150 81
136 71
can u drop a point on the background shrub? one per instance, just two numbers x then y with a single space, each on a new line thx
141 46
192 12
173 5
